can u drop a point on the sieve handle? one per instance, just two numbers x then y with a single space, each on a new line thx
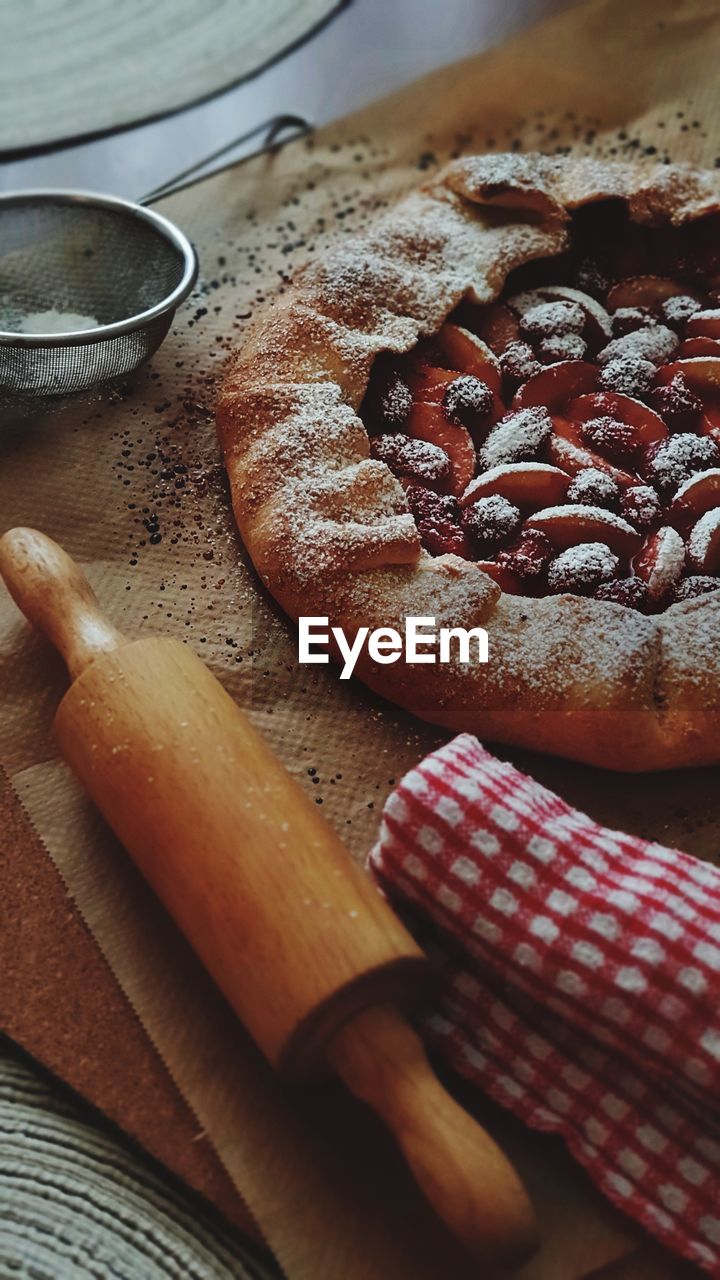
274 132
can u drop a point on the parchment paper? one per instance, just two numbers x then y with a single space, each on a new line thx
133 487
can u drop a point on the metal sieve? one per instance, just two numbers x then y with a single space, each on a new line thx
73 253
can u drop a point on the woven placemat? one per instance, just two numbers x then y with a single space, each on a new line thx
76 1202
73 68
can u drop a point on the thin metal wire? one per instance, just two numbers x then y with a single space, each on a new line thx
275 133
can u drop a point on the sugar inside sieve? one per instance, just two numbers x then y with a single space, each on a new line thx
89 285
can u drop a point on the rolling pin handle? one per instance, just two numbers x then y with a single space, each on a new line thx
56 597
462 1173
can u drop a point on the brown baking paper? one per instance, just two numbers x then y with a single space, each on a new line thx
132 485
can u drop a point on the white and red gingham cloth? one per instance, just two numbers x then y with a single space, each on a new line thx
583 979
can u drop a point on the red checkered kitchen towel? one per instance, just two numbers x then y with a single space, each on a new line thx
583 979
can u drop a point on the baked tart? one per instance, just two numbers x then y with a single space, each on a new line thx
499 407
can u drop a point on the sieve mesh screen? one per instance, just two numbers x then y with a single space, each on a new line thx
70 256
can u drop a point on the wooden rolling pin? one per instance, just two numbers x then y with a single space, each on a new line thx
299 940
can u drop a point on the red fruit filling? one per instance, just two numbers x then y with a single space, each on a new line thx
595 489
566 437
490 522
677 404
615 439
468 401
518 363
425 463
628 375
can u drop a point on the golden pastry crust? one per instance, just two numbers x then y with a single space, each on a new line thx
329 529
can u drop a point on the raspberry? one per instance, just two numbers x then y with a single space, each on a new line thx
388 399
566 346
671 462
581 569
627 375
419 460
553 319
593 488
490 522
396 403
641 507
592 279
610 436
518 362
441 538
427 505
677 404
629 319
695 585
437 516
677 310
529 556
468 401
632 592
424 504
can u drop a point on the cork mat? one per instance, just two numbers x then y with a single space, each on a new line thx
62 1002
133 486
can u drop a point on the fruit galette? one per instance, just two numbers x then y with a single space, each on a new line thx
500 407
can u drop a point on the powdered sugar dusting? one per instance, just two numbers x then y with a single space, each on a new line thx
578 513
396 402
704 536
517 437
688 671
668 563
656 344
40 322
678 309
583 566
468 399
549 319
565 346
507 470
700 317
594 488
382 293
351 520
554 649
679 458
712 473
630 375
420 459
